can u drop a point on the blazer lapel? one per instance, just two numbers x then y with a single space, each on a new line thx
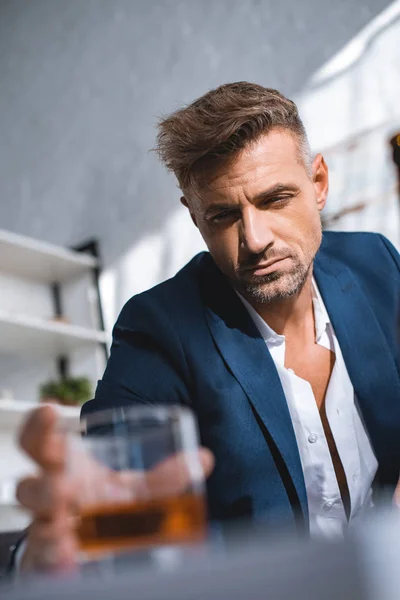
248 358
370 364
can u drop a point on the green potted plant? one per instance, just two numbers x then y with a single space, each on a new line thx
71 391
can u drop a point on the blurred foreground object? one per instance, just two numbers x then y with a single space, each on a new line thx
134 480
141 482
363 568
14 463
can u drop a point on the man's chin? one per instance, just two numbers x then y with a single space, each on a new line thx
272 287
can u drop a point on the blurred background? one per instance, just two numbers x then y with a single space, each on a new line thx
82 83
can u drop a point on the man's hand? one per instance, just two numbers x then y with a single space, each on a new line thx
53 496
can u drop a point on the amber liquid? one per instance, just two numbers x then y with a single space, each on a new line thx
113 527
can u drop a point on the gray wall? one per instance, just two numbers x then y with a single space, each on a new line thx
83 81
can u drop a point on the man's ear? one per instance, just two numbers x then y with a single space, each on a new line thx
320 180
186 203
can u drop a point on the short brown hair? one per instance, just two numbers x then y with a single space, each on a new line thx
196 139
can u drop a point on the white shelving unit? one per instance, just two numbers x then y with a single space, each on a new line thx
23 334
40 261
50 320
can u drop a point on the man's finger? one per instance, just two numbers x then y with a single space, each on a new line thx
176 473
207 461
45 496
41 439
172 476
43 530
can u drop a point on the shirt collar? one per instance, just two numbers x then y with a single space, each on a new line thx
272 338
267 333
321 316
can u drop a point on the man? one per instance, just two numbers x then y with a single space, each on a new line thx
284 341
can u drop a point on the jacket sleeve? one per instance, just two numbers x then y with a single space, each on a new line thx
393 253
395 256
147 364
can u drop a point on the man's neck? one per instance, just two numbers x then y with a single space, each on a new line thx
291 316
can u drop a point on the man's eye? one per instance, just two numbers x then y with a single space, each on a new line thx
277 200
221 217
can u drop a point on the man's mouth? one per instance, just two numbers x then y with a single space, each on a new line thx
267 267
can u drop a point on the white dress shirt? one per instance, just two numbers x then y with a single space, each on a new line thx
327 514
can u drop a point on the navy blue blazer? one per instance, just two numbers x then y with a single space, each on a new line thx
190 341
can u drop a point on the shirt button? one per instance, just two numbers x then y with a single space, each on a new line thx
312 438
328 505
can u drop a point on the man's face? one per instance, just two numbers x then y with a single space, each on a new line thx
260 217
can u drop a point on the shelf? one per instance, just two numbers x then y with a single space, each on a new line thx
23 335
46 263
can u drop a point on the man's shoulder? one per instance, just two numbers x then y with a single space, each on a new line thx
178 295
361 251
183 284
349 245
346 239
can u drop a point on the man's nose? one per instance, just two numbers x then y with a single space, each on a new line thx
255 233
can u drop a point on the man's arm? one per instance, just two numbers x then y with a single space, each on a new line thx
396 260
392 251
147 364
